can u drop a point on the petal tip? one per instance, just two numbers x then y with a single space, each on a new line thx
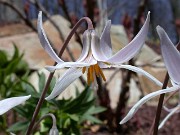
40 13
49 97
109 22
159 28
49 68
28 96
148 16
39 18
121 122
160 31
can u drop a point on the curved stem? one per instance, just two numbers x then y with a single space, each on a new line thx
41 100
45 116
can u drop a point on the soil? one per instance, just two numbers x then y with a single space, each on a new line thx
141 122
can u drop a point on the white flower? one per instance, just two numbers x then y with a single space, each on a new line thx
96 54
9 103
171 58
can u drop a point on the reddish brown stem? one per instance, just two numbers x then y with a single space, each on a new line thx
160 104
159 108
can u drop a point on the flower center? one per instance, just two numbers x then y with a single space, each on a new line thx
93 70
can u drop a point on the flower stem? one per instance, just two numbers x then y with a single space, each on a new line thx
41 100
43 117
159 108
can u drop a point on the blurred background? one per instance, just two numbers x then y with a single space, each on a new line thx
20 48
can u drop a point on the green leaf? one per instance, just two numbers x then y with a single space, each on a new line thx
19 126
67 123
3 59
12 65
16 52
82 108
74 117
42 80
44 111
96 110
21 111
52 84
76 103
91 118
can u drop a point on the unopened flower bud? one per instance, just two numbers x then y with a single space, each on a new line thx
54 131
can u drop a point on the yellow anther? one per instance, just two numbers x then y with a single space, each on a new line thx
99 72
88 77
102 74
93 70
96 69
91 74
84 70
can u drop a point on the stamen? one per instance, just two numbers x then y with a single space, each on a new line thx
91 74
84 70
96 68
88 77
99 72
102 74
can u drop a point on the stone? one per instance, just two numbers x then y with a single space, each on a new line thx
28 44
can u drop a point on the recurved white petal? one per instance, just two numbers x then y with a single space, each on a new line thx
171 109
63 82
141 72
170 55
130 50
9 103
86 45
135 108
44 41
96 48
168 116
105 40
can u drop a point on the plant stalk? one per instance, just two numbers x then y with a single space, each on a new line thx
160 104
159 108
45 116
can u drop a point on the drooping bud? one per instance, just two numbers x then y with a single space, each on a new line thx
54 131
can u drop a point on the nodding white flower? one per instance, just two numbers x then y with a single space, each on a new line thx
9 103
171 57
96 55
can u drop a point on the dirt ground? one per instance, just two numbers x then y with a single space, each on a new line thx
140 124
